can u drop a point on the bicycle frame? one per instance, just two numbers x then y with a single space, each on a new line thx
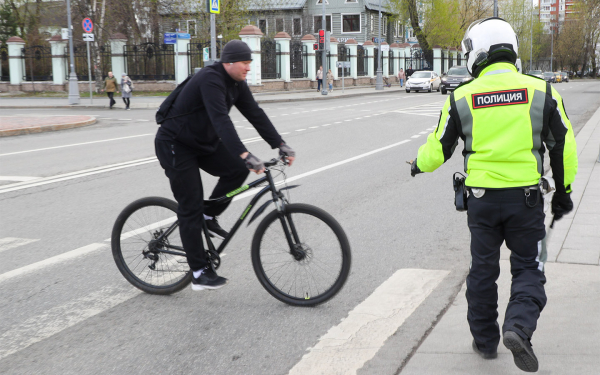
277 198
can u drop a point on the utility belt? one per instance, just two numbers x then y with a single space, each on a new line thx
461 192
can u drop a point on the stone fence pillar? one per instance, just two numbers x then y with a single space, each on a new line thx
15 59
182 69
284 39
437 59
395 48
370 48
59 68
333 57
385 60
117 58
352 45
251 35
308 40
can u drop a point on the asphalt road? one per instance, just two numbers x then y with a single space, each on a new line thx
67 310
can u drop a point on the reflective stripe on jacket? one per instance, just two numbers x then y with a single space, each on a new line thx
504 118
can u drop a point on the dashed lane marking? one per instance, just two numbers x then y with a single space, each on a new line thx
17 178
415 136
8 243
346 347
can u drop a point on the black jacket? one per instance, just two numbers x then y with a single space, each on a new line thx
205 102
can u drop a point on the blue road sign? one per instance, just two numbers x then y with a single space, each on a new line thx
87 25
183 36
215 6
170 38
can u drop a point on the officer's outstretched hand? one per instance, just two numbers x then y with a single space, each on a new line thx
414 170
253 163
288 153
561 204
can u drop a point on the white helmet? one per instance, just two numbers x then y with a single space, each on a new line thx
487 41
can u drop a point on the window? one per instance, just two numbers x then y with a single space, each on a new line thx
352 1
320 2
318 23
262 25
384 26
278 25
372 23
191 27
297 26
350 23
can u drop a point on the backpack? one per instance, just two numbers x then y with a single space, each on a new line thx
165 106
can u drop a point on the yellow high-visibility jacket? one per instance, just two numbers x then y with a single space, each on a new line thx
504 119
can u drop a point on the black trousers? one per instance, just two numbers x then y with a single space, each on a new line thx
498 216
182 166
126 101
110 96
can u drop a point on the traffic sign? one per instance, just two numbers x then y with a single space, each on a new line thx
205 54
343 64
87 25
385 47
183 36
214 6
64 33
170 38
88 37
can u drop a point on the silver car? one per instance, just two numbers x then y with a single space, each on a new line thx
423 80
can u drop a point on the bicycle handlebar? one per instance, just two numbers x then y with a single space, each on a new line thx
275 161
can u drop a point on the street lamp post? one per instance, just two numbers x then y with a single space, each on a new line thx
73 86
324 55
379 79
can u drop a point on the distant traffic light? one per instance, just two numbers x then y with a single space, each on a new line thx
316 46
321 39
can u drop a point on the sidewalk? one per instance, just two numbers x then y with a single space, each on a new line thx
18 125
566 340
154 101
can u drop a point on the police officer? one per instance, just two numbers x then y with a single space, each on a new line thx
504 119
199 134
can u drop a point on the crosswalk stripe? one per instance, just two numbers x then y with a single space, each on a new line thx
346 347
8 243
59 318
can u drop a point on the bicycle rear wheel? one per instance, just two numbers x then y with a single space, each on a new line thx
139 253
318 266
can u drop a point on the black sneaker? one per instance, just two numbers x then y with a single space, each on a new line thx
522 351
484 355
215 229
208 280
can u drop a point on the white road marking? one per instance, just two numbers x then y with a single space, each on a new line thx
423 133
346 347
8 243
284 133
59 318
17 178
142 120
124 119
415 136
327 125
52 261
337 122
313 127
300 130
77 144
348 120
367 116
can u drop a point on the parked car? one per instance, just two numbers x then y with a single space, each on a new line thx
454 77
536 73
549 77
558 77
423 80
564 76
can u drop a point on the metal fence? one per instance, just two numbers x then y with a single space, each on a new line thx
418 60
270 59
443 60
4 74
149 61
38 63
298 60
458 59
450 61
343 55
81 62
391 63
362 61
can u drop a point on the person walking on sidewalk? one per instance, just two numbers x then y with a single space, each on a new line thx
504 118
401 77
126 89
110 86
319 78
199 134
330 80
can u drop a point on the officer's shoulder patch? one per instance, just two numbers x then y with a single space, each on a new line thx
498 98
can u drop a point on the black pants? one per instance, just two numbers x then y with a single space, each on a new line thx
110 96
182 166
319 83
126 101
498 216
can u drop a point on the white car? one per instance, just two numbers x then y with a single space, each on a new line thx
423 80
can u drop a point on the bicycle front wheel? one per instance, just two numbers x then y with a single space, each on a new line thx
147 247
314 269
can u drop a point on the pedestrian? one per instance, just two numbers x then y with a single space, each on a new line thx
126 89
330 80
199 134
110 86
401 77
504 118
319 78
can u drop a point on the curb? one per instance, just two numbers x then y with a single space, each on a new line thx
46 128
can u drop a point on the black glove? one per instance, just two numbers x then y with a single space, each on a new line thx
252 162
561 205
285 150
414 170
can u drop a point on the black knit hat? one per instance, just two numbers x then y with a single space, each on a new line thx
235 51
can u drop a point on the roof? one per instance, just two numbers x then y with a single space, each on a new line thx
253 5
374 4
275 4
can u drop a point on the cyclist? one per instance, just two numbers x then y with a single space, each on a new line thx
199 134
504 118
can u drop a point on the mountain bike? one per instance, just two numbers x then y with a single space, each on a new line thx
299 252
